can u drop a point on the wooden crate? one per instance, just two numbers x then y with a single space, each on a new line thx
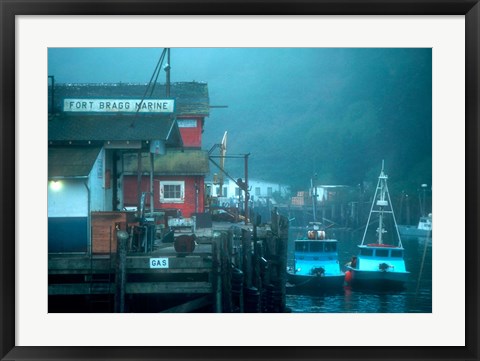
104 226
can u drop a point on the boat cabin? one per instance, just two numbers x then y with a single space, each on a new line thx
373 257
425 223
317 246
316 257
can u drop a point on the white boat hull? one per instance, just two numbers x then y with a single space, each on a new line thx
413 231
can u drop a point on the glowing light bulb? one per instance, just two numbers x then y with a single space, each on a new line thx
55 185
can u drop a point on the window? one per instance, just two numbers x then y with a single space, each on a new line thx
316 247
257 191
381 252
237 191
269 191
187 123
225 193
172 191
366 252
301 246
330 247
396 253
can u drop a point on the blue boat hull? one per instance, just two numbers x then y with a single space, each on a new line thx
304 282
377 279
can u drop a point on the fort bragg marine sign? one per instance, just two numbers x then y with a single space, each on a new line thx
119 105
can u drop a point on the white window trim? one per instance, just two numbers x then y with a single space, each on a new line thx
187 123
172 200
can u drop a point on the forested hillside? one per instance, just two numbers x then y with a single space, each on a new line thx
336 112
337 116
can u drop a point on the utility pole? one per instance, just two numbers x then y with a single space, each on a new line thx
313 183
167 70
247 195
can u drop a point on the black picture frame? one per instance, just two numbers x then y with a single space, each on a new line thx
10 9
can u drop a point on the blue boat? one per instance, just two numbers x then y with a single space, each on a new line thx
316 262
379 264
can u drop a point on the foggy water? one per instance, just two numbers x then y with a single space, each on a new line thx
415 298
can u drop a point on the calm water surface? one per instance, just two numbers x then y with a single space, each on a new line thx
415 298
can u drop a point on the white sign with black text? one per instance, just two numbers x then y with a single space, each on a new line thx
158 262
119 105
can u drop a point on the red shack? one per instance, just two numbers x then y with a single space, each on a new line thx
179 174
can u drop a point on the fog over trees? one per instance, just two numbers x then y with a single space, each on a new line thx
298 111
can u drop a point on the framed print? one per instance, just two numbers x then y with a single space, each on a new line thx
117 257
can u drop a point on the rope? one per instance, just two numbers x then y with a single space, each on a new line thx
157 69
423 262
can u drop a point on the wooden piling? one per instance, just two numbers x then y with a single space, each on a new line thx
247 257
226 272
217 274
236 271
120 278
276 252
237 278
256 277
282 260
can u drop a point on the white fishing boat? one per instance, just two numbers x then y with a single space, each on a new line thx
379 264
422 229
316 262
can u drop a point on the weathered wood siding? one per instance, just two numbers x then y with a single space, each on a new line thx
104 224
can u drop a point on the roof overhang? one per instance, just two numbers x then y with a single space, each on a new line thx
71 162
88 129
174 162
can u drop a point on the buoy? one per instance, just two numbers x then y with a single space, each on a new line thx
348 276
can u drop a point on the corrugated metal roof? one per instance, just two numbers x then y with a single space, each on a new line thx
71 162
191 98
76 127
187 162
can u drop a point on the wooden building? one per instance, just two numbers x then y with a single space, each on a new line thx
110 149
108 144
178 181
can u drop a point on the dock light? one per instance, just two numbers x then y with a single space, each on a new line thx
55 185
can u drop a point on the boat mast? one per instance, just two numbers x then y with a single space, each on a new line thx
371 209
313 186
382 202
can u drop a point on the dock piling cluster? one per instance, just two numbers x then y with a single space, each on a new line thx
237 268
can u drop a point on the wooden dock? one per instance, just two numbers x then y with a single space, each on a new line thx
228 268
